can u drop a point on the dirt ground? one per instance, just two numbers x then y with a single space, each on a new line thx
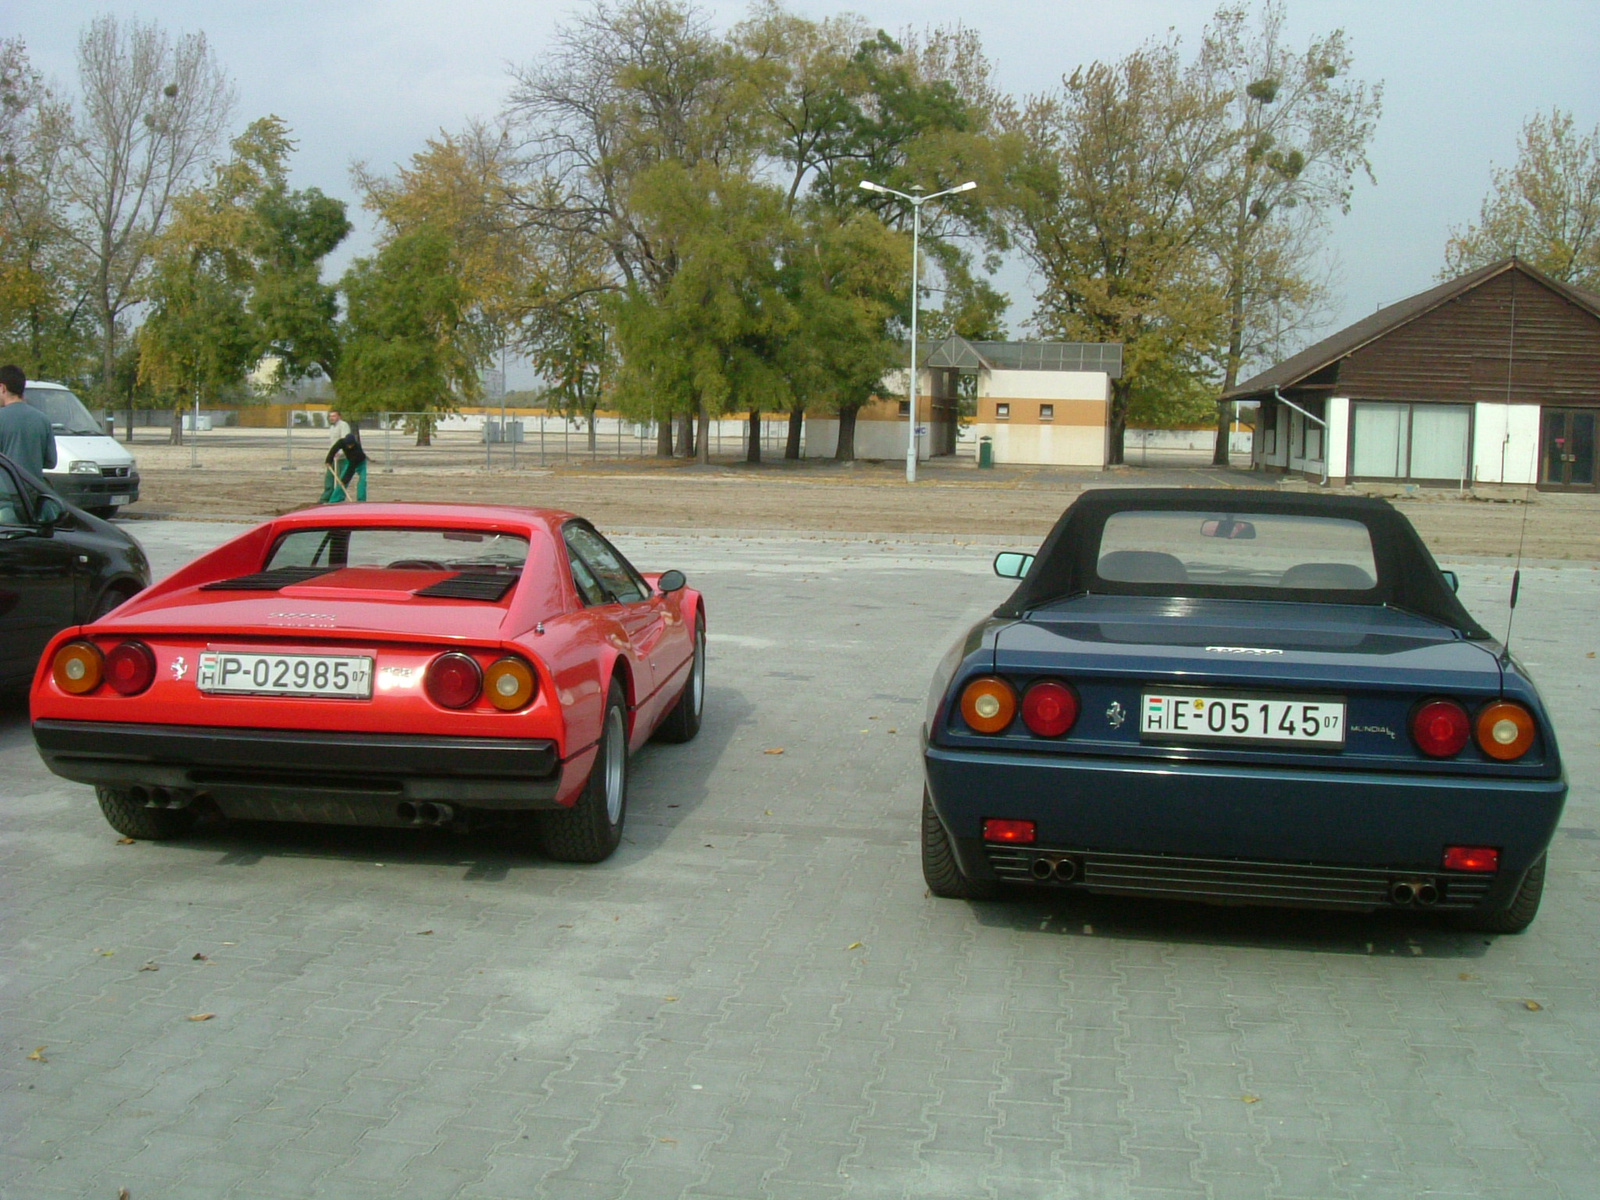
949 499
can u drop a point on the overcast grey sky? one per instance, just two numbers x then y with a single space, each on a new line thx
371 79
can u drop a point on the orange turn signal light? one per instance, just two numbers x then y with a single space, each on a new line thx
988 704
509 683
78 668
1505 730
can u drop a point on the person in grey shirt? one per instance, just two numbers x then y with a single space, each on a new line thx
25 434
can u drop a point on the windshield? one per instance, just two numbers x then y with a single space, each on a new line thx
66 412
401 549
1251 550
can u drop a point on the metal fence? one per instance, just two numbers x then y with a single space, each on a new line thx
476 439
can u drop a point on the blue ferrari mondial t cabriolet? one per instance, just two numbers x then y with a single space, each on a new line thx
1240 697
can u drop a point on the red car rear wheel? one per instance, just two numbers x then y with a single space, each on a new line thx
591 829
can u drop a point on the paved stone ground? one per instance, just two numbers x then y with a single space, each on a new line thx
755 997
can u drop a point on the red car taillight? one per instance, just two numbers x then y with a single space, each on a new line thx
1049 708
988 704
130 668
1440 728
78 668
510 684
1505 730
453 680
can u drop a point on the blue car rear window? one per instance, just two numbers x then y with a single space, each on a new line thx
1245 550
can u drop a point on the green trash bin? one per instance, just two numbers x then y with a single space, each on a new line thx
986 452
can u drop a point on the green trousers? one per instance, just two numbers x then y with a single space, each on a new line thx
334 491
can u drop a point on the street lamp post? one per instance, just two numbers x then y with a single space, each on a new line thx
916 203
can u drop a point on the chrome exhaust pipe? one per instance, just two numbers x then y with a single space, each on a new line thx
443 814
1402 893
1042 868
1066 870
1427 893
406 811
142 796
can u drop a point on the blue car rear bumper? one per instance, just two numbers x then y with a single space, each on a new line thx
1252 834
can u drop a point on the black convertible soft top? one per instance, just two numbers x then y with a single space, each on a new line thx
1408 578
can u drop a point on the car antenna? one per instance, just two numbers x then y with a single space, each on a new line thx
1522 533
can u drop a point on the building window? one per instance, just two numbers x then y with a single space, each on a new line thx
905 408
1411 441
1047 412
1002 412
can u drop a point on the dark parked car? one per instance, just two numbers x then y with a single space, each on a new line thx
58 567
1240 697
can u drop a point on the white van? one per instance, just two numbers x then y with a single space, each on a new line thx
92 471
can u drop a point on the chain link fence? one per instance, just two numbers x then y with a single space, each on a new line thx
472 439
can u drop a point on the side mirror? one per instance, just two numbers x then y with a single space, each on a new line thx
1009 564
1452 579
670 581
50 511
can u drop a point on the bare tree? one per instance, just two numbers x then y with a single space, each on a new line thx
151 114
1302 124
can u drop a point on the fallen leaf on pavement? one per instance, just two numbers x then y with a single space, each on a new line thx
198 957
38 1055
130 841
201 1016
670 999
853 946
1533 1006
1466 975
424 932
150 966
1249 1099
774 750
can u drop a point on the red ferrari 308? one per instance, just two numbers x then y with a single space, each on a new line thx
382 664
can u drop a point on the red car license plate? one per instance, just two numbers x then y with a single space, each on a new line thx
224 673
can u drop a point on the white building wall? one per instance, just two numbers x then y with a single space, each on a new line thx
1505 434
1337 415
1043 385
874 439
1062 445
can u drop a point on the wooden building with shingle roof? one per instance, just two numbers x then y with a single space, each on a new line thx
1493 377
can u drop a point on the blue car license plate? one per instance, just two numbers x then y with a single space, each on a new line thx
1315 721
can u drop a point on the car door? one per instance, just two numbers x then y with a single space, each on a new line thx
37 576
606 578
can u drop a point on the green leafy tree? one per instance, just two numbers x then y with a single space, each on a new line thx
709 341
409 341
1545 209
843 271
1300 124
235 276
1104 208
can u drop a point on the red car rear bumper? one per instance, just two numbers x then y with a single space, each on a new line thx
341 778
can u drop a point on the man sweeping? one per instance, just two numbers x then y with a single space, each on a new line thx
346 461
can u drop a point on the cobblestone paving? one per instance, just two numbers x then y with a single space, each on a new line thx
756 997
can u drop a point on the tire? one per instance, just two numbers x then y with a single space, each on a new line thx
1517 915
129 816
939 865
112 598
591 829
683 722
